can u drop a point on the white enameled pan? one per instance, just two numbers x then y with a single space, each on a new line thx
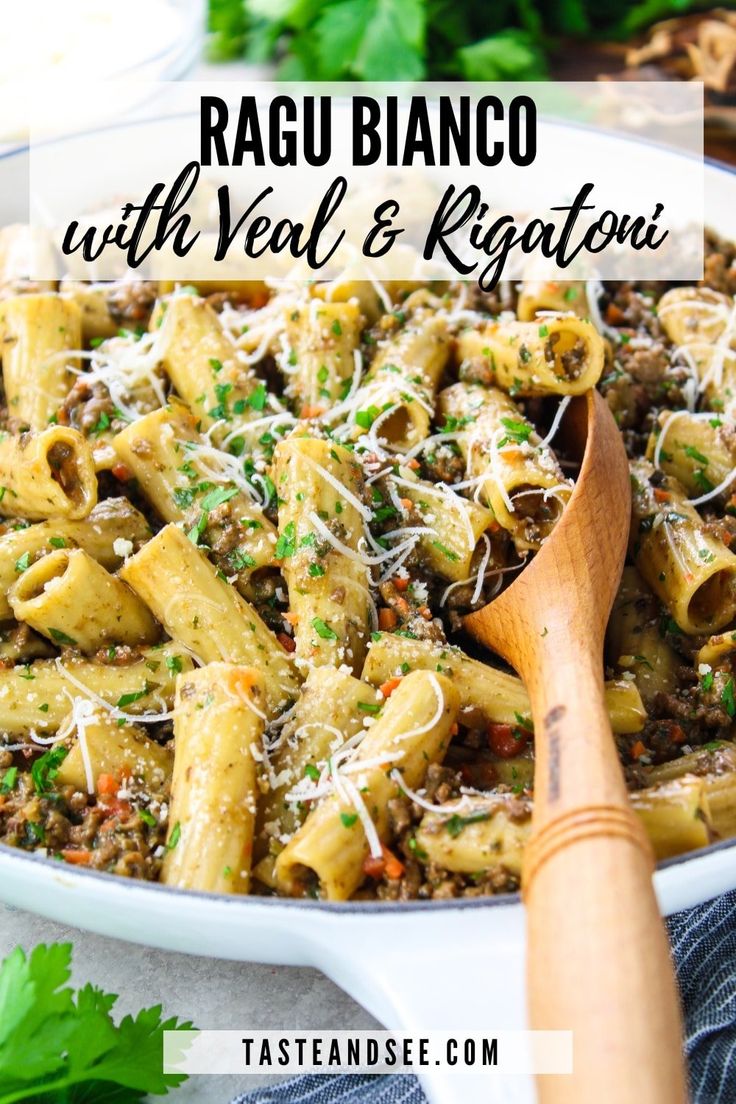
446 965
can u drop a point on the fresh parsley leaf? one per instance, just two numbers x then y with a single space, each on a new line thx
60 1045
45 769
286 544
61 637
23 563
323 630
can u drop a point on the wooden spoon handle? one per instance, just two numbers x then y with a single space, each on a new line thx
598 958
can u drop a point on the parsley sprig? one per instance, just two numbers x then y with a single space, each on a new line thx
61 1045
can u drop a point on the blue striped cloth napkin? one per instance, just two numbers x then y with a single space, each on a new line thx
704 946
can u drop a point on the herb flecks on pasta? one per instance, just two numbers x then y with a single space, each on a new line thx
241 525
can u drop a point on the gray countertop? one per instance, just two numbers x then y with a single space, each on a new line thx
211 992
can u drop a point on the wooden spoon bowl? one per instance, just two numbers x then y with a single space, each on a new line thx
598 957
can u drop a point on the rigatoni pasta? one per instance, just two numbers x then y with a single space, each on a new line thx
241 527
206 614
218 728
47 474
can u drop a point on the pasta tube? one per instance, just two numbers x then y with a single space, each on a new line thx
329 850
710 759
322 339
720 799
487 695
689 570
124 752
457 524
111 530
182 589
109 307
35 697
21 647
488 832
695 451
518 475
699 322
494 830
559 356
68 597
202 364
171 462
634 642
328 590
331 709
399 389
37 332
218 730
694 315
675 816
551 295
47 474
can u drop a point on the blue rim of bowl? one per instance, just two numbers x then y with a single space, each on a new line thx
343 907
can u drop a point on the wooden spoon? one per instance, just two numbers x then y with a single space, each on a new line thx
598 957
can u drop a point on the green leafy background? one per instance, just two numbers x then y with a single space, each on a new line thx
416 39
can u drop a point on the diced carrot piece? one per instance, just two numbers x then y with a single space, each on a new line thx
614 315
310 411
399 583
661 495
387 619
425 612
394 867
241 682
413 464
286 641
374 868
122 472
637 750
258 299
402 606
292 618
77 858
406 503
387 688
107 784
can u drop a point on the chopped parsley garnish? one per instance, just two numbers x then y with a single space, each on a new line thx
348 819
727 698
174 837
369 707
457 823
23 562
286 544
61 637
515 431
257 398
217 497
134 696
323 630
694 454
9 779
45 769
57 542
312 772
174 664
